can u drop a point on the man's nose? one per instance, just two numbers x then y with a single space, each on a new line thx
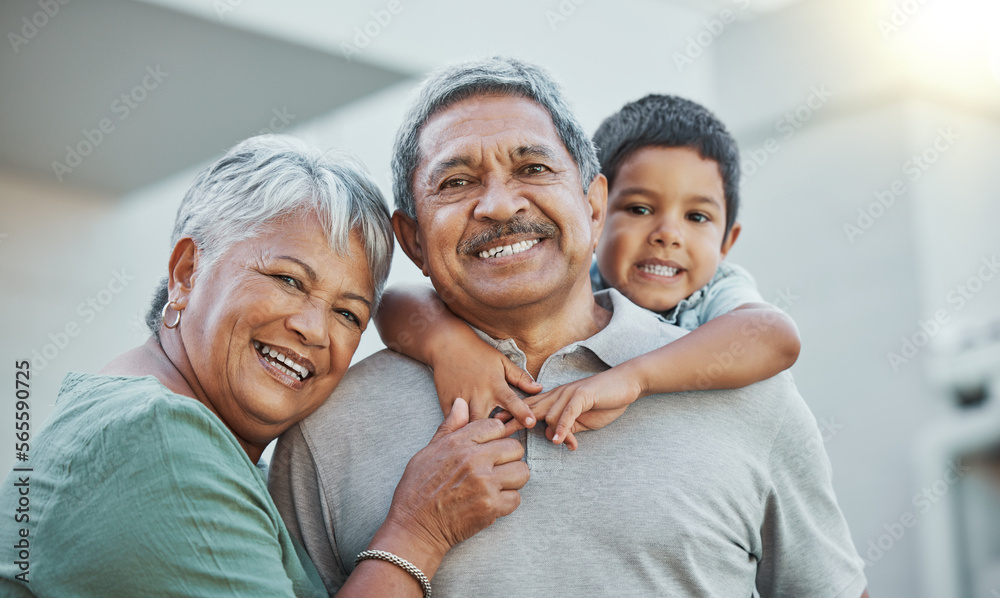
666 233
499 203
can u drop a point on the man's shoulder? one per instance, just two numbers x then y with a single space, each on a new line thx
376 390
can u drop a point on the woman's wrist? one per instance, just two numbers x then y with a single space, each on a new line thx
415 546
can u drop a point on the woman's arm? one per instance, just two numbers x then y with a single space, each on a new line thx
751 343
415 322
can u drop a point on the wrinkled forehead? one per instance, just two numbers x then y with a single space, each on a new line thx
485 120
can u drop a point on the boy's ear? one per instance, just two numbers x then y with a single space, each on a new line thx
182 269
408 235
597 198
731 238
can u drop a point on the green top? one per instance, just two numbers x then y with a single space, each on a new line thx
137 491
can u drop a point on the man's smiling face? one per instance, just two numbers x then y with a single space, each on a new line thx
502 219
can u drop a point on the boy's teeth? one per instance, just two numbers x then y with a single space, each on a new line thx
659 270
282 361
506 250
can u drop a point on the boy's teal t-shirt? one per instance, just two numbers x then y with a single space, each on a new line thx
731 287
137 491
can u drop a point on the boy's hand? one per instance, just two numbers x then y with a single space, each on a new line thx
587 404
480 375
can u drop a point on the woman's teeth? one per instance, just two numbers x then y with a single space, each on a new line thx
282 362
659 270
506 250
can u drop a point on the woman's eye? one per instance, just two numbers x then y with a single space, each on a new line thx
698 217
639 210
350 317
288 280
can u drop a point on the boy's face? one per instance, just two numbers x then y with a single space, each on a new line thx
663 239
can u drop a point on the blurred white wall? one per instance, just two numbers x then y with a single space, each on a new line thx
853 295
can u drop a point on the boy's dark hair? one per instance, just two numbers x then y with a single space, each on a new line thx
670 121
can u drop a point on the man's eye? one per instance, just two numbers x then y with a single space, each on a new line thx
452 183
639 210
535 169
698 217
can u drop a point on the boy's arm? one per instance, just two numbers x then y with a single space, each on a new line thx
415 322
753 342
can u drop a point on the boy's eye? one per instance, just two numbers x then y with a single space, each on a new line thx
639 210
698 217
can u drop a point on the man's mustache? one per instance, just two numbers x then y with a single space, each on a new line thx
518 225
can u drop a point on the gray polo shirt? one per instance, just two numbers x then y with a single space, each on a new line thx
712 493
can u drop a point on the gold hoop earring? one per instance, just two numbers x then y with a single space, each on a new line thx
163 315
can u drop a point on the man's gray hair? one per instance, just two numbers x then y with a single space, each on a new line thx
493 76
270 177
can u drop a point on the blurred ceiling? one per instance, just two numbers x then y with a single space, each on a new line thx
161 106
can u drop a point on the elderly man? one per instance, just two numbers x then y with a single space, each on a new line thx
689 494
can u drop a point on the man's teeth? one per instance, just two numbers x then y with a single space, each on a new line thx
506 250
659 270
282 361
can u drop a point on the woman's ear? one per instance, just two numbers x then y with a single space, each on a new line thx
181 271
408 234
731 238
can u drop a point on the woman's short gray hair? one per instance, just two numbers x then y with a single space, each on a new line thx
498 75
267 178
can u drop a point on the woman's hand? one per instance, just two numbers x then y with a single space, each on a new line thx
459 484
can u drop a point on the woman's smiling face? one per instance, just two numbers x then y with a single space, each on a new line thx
271 328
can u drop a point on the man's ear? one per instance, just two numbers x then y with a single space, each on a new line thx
408 235
182 270
731 238
597 198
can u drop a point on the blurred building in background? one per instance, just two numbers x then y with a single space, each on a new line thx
867 128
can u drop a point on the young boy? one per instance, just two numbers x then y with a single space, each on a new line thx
673 174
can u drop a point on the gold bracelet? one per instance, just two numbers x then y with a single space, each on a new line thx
403 564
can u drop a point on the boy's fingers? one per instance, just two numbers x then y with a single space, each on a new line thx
567 419
570 439
520 378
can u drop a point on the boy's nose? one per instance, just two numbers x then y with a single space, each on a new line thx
499 203
665 234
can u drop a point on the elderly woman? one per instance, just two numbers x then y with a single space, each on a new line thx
144 479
